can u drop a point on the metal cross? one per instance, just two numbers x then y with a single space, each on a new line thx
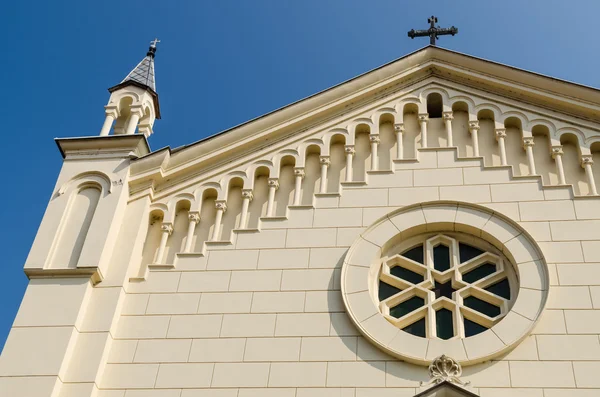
433 32
154 42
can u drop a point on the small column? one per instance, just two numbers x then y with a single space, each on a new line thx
194 218
448 117
423 119
325 162
374 156
500 136
399 128
247 197
528 145
474 130
586 163
557 153
221 207
134 118
111 115
273 186
298 175
167 230
350 151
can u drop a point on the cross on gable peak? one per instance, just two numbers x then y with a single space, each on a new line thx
433 32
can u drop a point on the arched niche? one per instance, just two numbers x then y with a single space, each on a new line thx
177 239
312 178
336 169
258 206
387 144
544 163
204 229
155 220
75 224
285 194
488 147
515 154
412 131
595 150
231 217
362 157
574 173
460 129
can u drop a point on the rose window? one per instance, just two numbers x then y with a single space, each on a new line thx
445 286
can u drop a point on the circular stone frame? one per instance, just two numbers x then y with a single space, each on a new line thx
362 265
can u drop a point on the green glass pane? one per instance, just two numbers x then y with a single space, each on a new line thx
501 288
407 275
417 328
444 289
443 323
479 272
482 306
467 252
406 307
472 328
416 254
386 290
441 258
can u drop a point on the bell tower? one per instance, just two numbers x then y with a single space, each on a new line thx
133 105
82 251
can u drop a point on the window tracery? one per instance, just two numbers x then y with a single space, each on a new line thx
444 286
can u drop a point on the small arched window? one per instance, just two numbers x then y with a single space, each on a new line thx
434 105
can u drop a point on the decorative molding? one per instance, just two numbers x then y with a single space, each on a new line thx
299 171
445 369
247 194
473 126
374 138
359 280
399 127
586 159
221 205
194 216
528 142
167 227
325 160
556 151
273 182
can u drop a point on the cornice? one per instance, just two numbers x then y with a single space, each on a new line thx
113 146
172 167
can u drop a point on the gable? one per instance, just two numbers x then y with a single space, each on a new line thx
166 170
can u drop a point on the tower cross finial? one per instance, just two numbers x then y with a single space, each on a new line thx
154 42
433 32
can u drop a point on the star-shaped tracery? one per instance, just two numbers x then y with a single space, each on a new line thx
444 287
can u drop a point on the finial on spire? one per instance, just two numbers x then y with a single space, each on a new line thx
152 49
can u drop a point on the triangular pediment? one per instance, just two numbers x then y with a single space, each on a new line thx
479 83
446 389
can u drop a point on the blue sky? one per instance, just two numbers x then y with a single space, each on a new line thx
223 62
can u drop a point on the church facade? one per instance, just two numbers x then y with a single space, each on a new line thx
429 228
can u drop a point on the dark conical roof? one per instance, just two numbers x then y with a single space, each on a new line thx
143 76
143 73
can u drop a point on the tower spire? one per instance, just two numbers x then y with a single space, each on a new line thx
143 73
133 104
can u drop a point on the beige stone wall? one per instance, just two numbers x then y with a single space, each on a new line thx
197 300
264 315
